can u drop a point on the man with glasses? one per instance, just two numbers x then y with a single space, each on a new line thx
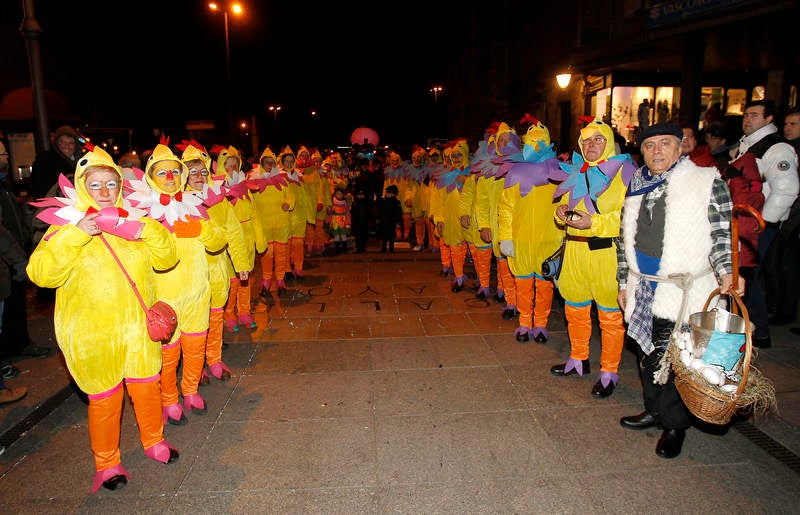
589 195
676 219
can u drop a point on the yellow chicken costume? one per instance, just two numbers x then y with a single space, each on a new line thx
419 193
185 287
274 201
594 191
312 181
445 205
237 310
222 265
99 324
304 212
527 234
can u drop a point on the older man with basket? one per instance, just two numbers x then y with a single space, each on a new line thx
676 220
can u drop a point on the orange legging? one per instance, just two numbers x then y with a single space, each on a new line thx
238 299
579 327
275 261
214 336
505 282
419 230
482 259
296 253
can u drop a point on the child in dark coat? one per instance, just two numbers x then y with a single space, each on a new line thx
360 214
390 215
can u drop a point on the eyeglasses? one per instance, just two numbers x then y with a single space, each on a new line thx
97 185
202 172
596 140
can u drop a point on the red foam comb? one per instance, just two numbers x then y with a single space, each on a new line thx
164 140
528 118
89 146
218 148
586 119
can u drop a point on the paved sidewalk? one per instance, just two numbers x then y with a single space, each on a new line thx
375 389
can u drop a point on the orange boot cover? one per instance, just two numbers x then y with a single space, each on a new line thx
170 355
506 279
433 240
459 254
579 328
419 231
281 260
483 264
309 237
612 333
407 221
243 298
320 236
105 414
193 350
298 253
446 254
524 304
214 337
145 396
543 302
268 261
231 303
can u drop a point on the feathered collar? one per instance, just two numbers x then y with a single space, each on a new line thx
450 179
584 182
213 192
165 208
60 211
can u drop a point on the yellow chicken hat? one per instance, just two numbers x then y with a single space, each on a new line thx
287 151
163 153
587 132
96 156
224 154
461 146
192 153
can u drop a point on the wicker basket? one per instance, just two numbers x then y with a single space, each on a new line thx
708 402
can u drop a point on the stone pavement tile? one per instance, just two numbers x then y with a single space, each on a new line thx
431 352
446 324
285 500
288 329
450 390
425 305
395 326
540 389
313 396
524 494
778 373
343 328
489 321
413 289
367 305
311 356
299 454
442 448
721 489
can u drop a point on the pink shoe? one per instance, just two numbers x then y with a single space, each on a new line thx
281 286
247 321
298 273
112 478
230 325
220 371
174 414
204 378
163 452
266 284
195 403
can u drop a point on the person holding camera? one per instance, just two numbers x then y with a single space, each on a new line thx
593 188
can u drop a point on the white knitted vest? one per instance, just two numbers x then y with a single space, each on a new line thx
687 241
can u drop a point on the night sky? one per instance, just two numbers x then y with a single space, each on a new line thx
159 63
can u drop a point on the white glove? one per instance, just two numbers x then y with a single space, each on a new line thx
507 248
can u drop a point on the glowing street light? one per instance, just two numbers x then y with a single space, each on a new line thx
274 109
236 9
436 90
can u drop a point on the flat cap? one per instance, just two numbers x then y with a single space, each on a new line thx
663 129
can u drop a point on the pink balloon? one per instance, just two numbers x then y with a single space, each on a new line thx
364 135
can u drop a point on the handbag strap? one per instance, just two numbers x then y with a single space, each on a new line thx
125 272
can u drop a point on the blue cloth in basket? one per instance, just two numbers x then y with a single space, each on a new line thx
724 349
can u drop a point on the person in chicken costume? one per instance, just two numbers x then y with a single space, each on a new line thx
185 287
312 182
527 232
99 324
223 265
238 312
274 201
590 193
419 192
433 170
447 209
302 214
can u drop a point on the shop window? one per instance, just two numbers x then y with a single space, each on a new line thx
631 110
758 93
792 96
667 105
737 98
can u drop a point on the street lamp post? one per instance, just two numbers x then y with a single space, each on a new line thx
236 9
436 90
274 110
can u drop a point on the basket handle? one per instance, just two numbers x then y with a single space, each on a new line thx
748 337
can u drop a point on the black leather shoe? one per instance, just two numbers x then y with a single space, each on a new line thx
457 288
115 482
480 296
558 370
598 390
523 337
670 443
509 314
643 420
540 338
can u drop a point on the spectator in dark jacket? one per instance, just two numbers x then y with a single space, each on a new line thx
390 215
61 158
